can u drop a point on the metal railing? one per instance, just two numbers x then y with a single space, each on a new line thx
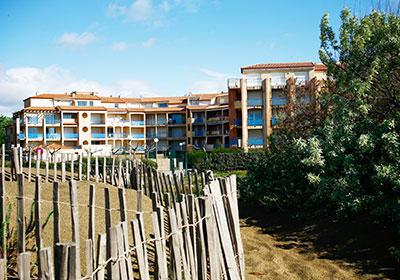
254 83
254 102
98 135
137 135
234 83
256 141
71 135
35 135
51 120
255 122
53 136
137 123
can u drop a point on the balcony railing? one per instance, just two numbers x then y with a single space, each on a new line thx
118 135
137 123
176 121
150 122
199 133
33 120
137 135
279 101
198 121
21 136
71 135
51 120
274 121
254 102
98 122
256 141
214 132
176 134
35 135
234 83
278 82
98 135
255 122
254 83
161 121
53 136
238 122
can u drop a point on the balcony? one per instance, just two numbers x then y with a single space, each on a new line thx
279 101
33 120
254 83
161 121
234 83
99 122
137 135
214 132
254 102
199 133
278 82
274 121
98 135
52 121
35 136
238 122
256 141
71 135
176 121
137 123
176 135
118 135
53 136
198 121
150 122
21 136
255 122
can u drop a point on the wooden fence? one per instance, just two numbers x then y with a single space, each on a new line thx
195 224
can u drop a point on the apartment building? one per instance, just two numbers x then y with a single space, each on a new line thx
85 120
262 95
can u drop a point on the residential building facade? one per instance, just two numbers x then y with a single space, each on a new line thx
264 92
245 116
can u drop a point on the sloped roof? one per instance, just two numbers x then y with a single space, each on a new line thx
284 65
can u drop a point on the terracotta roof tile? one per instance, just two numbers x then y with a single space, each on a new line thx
319 67
80 108
39 109
284 65
69 96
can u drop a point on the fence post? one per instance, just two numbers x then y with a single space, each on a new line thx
72 168
3 164
21 214
101 255
104 170
61 261
56 214
24 266
96 169
3 207
113 171
38 160
62 168
55 168
46 265
140 254
88 166
73 196
46 178
108 225
80 167
29 164
38 223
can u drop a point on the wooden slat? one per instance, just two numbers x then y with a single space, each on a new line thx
92 209
61 261
114 265
107 213
72 166
24 266
56 213
46 264
89 258
104 170
21 214
38 223
29 165
63 172
188 240
96 169
161 263
200 241
3 269
140 255
101 256
196 180
121 253
126 248
73 196
139 217
184 255
73 263
176 251
3 209
113 172
80 166
46 176
55 169
88 166
211 233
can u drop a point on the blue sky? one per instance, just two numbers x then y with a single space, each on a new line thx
150 47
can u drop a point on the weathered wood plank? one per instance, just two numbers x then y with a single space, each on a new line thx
73 196
24 266
46 264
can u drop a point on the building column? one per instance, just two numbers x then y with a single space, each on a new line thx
232 115
245 132
17 131
267 110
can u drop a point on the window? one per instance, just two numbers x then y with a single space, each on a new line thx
116 105
163 105
82 103
194 102
91 103
148 105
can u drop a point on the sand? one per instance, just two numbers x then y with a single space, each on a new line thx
267 258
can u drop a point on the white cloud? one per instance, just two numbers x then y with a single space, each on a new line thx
149 43
16 84
138 10
119 46
213 82
152 11
72 39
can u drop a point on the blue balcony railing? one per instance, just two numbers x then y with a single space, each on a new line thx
52 120
118 135
151 122
32 135
161 121
255 122
21 136
274 121
137 123
71 135
198 120
238 121
33 120
53 136
176 134
254 102
176 119
256 141
137 135
279 101
199 133
98 135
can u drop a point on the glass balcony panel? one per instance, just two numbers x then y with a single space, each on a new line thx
256 141
137 135
52 120
98 135
71 135
255 122
53 135
32 135
137 123
33 120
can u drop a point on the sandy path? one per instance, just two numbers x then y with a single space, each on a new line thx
266 260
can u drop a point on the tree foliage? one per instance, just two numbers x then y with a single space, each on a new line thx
348 164
4 122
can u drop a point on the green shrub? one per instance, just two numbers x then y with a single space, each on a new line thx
150 163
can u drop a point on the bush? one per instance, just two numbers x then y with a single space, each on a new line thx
222 159
149 163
